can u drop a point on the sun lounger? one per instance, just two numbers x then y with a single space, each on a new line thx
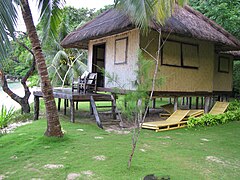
219 108
168 108
173 122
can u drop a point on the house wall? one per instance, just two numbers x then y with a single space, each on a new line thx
223 81
184 79
124 71
204 77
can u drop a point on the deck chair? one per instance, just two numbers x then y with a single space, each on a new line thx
81 79
88 84
176 120
169 108
219 108
194 113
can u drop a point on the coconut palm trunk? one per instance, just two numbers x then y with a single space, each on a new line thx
53 123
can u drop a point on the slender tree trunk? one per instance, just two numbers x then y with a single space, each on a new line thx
53 123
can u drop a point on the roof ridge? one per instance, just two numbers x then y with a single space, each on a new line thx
213 24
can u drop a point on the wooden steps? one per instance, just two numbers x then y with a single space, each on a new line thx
95 112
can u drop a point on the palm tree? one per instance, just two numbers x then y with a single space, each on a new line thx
7 22
53 125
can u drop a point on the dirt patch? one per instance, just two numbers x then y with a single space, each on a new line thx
117 131
98 137
53 166
14 157
164 137
2 177
73 176
13 126
100 158
143 150
87 173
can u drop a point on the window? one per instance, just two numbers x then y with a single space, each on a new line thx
190 55
223 64
171 53
180 54
121 46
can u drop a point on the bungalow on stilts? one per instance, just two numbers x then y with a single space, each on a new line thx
193 60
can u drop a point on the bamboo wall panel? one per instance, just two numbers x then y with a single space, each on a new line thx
190 55
186 79
223 80
172 53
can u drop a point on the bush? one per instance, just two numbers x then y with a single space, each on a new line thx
5 116
233 114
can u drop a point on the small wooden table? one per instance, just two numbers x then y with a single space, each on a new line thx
67 94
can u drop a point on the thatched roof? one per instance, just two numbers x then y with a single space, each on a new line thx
235 54
184 22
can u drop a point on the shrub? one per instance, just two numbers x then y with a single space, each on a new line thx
233 114
5 116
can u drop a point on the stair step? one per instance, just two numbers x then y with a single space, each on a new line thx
104 106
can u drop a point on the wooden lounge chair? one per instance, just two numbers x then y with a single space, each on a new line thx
81 79
168 108
88 84
173 122
219 108
194 113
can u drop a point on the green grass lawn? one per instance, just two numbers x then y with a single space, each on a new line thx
203 153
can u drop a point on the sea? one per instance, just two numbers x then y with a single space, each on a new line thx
5 100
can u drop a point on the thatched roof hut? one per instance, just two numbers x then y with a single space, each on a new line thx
184 22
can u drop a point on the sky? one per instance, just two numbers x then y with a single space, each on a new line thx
97 4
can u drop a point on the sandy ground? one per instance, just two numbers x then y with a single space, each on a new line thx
8 102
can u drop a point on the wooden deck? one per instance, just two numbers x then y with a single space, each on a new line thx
67 94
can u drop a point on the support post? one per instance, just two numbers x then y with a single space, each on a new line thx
59 104
206 104
72 110
197 102
77 105
183 101
36 107
202 102
154 103
114 106
187 101
175 103
190 103
65 107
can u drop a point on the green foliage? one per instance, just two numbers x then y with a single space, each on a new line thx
236 77
234 105
8 19
225 13
19 59
143 11
34 80
5 116
233 114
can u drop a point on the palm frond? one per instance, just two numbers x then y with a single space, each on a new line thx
143 12
51 15
8 20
